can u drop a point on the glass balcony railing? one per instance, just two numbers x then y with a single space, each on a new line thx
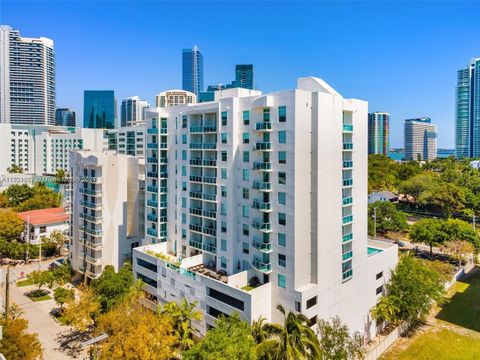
203 179
209 248
347 237
347 182
205 128
262 266
195 244
347 200
347 146
347 127
262 146
152 131
347 256
262 206
347 164
205 146
203 229
152 145
347 219
203 196
203 162
262 246
91 231
262 166
90 217
152 188
152 217
263 126
92 205
87 191
152 203
347 274
262 226
152 232
262 185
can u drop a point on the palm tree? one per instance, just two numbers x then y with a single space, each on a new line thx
260 330
182 316
386 310
295 340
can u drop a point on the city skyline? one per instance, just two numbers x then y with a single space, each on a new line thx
422 83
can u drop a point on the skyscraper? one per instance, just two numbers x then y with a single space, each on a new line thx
27 79
132 112
244 76
192 70
420 139
378 135
467 111
65 117
99 109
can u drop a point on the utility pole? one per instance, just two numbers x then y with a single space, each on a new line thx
374 222
7 293
473 221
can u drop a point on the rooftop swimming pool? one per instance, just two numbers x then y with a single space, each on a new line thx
372 251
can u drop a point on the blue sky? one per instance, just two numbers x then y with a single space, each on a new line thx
401 57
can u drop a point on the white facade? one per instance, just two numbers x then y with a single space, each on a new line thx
27 79
175 97
267 190
420 139
129 140
106 210
133 110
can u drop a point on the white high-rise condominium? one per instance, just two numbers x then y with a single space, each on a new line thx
27 79
175 97
132 112
420 139
255 200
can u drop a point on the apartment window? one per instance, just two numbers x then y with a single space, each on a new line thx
223 173
282 178
184 121
246 174
184 233
246 156
245 230
245 248
184 202
223 245
224 138
184 138
184 218
224 118
246 138
282 113
184 154
184 170
282 198
223 190
379 275
224 155
379 290
298 306
311 302
266 114
282 239
282 281
282 157
223 226
245 211
282 137
282 260
246 117
184 186
246 193
282 219
223 209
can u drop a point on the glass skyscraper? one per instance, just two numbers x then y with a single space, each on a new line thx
378 135
99 109
192 70
244 76
65 117
467 111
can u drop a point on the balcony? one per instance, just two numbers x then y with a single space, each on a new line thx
262 206
203 162
152 131
152 217
210 248
152 174
347 128
95 243
203 129
90 231
262 226
262 185
195 244
203 179
96 192
347 182
347 201
347 237
152 203
93 260
347 146
262 146
91 205
152 232
262 166
261 266
347 256
203 230
203 196
263 126
205 213
347 274
262 246
348 164
152 188
347 219
90 217
205 146
152 145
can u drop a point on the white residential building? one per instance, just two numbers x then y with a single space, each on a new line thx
129 140
107 210
132 111
41 223
255 200
420 139
27 79
175 97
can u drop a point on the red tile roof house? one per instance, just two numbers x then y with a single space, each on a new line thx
42 222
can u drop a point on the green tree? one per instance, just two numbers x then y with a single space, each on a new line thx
428 231
40 201
230 339
260 330
182 315
83 312
336 343
416 185
58 239
15 169
17 194
10 225
112 287
42 278
62 295
62 274
459 249
456 229
294 340
445 197
407 170
4 203
412 288
388 217
386 310
381 173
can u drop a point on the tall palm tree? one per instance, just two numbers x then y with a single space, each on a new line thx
295 340
260 330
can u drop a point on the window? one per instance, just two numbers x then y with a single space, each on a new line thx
379 290
184 121
246 138
224 173
282 260
184 202
282 137
282 281
184 138
223 190
184 171
223 209
245 230
282 219
223 245
184 218
184 186
223 262
245 248
246 193
245 211
224 137
224 118
379 275
282 157
282 178
282 239
282 113
298 306
184 154
311 302
223 226
184 233
246 156
246 117
224 155
246 174
266 114
282 198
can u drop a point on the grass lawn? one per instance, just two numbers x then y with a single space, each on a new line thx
455 333
61 320
41 298
26 282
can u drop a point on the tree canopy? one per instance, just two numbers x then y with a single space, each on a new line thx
388 218
10 225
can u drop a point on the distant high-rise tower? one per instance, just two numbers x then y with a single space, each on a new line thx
192 70
27 79
132 112
244 76
378 133
467 111
99 109
420 139
175 97
65 117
